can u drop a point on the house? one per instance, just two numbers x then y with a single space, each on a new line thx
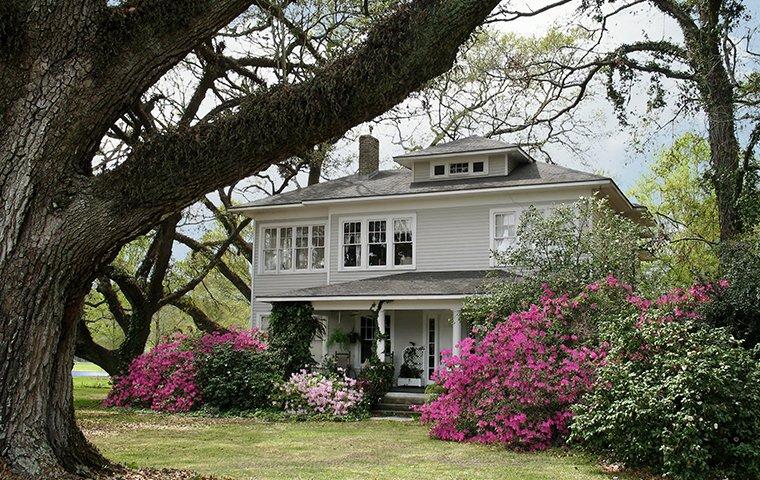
413 241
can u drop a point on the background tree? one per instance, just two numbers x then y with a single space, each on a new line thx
706 66
683 202
68 72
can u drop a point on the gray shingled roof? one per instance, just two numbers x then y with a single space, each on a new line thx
469 144
399 182
406 284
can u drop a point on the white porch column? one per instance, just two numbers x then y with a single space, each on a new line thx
381 329
456 326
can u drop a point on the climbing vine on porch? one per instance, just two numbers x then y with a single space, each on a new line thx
292 328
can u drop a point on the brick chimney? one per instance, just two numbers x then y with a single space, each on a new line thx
369 155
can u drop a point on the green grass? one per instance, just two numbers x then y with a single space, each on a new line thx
86 367
250 449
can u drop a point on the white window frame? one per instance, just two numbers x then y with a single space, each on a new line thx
389 235
447 164
517 211
292 225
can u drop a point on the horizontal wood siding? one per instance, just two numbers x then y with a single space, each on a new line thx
453 238
421 171
497 164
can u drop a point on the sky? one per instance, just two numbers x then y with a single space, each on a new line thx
623 154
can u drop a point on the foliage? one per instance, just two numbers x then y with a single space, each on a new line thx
676 396
411 367
235 378
515 387
340 338
676 192
292 327
563 250
315 393
375 380
171 376
738 306
162 379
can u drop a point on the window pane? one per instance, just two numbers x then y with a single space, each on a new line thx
376 232
352 233
318 258
270 238
302 237
402 254
504 225
402 230
478 166
302 258
402 241
270 260
286 248
439 169
459 167
352 255
318 236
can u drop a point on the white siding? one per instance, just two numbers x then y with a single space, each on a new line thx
421 171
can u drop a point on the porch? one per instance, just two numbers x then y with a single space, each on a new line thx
418 311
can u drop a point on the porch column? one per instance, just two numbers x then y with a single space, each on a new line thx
381 329
456 326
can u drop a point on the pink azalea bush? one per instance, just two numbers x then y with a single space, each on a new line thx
314 393
517 385
165 378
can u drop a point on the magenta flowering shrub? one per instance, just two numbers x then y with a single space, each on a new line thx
165 378
517 385
314 393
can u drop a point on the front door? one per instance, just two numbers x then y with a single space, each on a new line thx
431 325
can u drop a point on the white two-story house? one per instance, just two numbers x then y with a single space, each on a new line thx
415 240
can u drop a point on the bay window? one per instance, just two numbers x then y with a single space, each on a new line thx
293 248
378 243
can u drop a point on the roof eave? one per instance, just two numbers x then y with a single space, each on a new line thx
407 159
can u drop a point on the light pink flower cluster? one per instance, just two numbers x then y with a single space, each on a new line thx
163 379
309 393
515 386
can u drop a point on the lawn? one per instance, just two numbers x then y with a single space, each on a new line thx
87 367
250 449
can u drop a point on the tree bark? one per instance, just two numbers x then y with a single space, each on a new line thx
60 226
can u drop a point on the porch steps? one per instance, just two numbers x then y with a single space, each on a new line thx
397 404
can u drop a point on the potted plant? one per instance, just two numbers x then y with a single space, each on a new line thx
410 374
340 338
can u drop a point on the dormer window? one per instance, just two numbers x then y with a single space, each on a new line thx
445 169
459 168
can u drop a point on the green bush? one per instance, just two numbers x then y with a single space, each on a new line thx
677 397
292 327
239 380
375 379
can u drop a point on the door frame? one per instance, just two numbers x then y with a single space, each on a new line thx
426 316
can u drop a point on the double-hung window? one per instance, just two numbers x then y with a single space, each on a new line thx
293 248
377 243
503 230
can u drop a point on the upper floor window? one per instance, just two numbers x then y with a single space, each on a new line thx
503 230
456 168
293 248
378 242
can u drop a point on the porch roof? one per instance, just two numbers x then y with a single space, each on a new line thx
408 285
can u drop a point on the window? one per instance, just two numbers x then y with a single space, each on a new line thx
270 249
432 351
503 230
459 168
264 323
352 244
403 247
378 245
439 170
318 247
478 167
367 335
297 248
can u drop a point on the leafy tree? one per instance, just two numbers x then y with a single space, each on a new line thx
70 72
563 249
683 203
705 66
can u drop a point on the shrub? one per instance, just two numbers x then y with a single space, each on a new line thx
315 393
676 396
165 378
516 385
292 327
237 378
375 380
561 250
162 379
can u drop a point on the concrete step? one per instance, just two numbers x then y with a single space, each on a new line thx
404 398
393 413
396 407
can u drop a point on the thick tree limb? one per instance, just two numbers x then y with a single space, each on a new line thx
242 286
200 319
418 42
